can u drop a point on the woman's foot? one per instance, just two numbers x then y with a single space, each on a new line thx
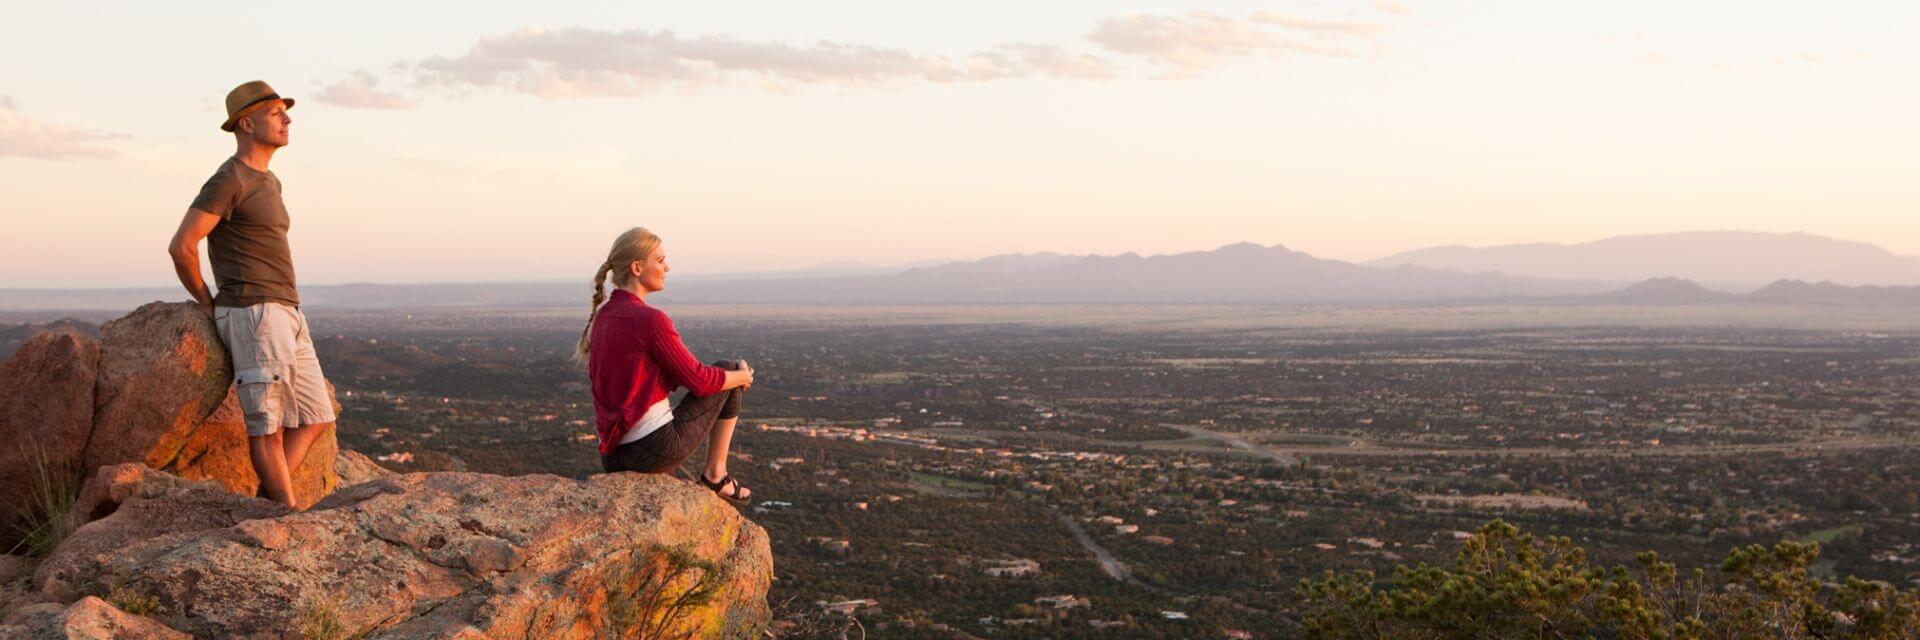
727 488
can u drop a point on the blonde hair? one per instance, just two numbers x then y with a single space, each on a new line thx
632 246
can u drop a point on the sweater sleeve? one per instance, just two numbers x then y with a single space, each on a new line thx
674 358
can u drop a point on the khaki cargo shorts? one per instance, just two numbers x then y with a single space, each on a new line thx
274 366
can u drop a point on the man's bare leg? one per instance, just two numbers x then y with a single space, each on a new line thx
718 441
270 464
299 440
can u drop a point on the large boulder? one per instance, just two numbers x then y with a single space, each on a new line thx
162 371
429 555
88 619
165 398
46 414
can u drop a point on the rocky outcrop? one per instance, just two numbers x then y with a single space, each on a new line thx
46 414
88 619
156 389
432 555
378 555
129 513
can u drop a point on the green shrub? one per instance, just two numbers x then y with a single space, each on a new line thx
1506 584
654 592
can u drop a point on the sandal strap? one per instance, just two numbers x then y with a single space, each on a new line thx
719 487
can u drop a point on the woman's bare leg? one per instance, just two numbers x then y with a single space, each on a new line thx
718 442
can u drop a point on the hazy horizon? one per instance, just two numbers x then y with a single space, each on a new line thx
502 142
854 269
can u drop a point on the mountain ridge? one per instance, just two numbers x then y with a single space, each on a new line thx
1737 259
1238 273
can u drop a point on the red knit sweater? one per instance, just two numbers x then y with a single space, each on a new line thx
634 359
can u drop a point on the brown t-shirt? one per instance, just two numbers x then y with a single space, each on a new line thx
251 261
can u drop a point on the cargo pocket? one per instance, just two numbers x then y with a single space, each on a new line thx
260 394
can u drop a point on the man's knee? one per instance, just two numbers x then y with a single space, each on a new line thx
730 365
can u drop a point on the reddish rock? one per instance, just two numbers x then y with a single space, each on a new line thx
128 514
433 555
88 619
46 409
162 371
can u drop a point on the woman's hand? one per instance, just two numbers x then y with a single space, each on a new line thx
741 377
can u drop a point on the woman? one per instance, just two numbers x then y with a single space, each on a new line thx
635 359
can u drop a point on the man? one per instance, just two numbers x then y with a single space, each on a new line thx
257 307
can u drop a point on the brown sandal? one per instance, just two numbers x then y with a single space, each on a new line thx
719 489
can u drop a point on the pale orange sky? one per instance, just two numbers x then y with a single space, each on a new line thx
513 142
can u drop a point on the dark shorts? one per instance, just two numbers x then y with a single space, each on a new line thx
664 449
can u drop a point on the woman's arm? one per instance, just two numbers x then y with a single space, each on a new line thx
674 358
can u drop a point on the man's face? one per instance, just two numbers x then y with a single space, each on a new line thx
267 124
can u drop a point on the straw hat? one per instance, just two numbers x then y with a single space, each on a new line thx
247 95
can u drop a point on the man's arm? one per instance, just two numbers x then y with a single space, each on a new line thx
185 249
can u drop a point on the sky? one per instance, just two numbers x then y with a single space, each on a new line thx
485 141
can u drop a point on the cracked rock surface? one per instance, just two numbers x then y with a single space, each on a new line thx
433 555
88 619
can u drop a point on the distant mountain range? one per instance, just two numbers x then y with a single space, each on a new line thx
14 335
1243 273
1675 291
1237 273
1722 259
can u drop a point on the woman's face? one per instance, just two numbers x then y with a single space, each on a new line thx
651 272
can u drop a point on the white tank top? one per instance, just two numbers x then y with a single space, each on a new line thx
657 416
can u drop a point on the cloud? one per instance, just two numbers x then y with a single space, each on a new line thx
581 61
1203 39
1321 27
1058 62
23 137
361 90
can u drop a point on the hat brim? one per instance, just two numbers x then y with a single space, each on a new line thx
233 120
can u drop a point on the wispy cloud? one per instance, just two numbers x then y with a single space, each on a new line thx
24 137
583 61
1203 39
361 90
1057 61
595 62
